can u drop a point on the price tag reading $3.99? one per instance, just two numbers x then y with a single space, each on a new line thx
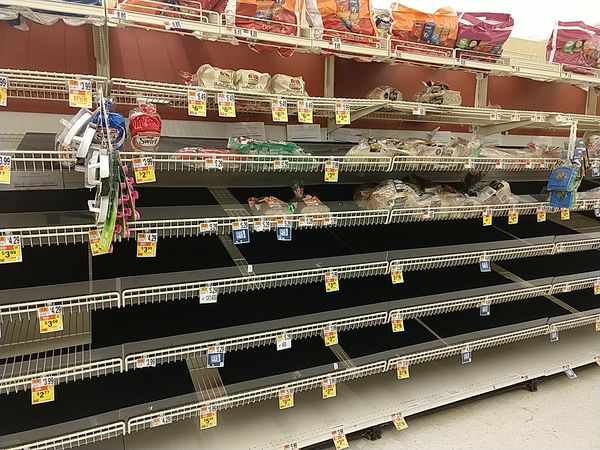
144 170
10 249
339 439
328 388
5 169
146 245
80 93
50 318
332 282
342 113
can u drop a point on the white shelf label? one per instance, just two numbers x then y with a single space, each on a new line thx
418 110
283 341
80 93
3 90
208 294
145 361
196 102
245 33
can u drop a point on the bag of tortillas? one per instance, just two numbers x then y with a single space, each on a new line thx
251 81
211 77
284 84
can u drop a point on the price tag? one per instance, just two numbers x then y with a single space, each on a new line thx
513 217
399 421
208 417
283 231
397 323
207 227
402 371
598 324
283 341
208 294
279 110
259 225
240 232
5 169
485 307
173 25
487 218
215 356
305 221
515 117
10 249
465 356
50 318
565 214
597 287
499 164
342 113
119 14
336 43
161 420
246 33
418 110
398 54
330 335
281 164
226 102
596 170
146 245
42 390
145 361
339 439
94 239
537 117
286 398
80 93
332 169
144 170
328 388
468 164
3 90
485 265
305 111
291 446
196 102
396 272
553 334
495 116
213 163
570 373
332 282
541 215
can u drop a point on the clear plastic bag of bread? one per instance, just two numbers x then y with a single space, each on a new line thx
438 93
282 84
268 206
251 81
372 147
393 194
362 194
306 203
495 192
385 93
211 77
593 145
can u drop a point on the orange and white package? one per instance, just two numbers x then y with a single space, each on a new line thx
344 19
141 6
439 28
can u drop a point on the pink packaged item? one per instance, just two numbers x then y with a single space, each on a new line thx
483 32
576 45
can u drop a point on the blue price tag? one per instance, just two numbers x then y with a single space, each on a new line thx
595 171
485 265
465 357
216 359
241 235
284 233
484 310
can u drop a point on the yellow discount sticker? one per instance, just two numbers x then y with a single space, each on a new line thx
286 399
208 417
5 169
143 169
42 390
541 215
330 335
396 273
50 318
3 90
305 111
399 421
10 249
226 104
487 218
402 370
565 214
397 323
342 113
146 245
332 282
513 217
597 287
339 439
332 171
80 93
328 388
598 324
196 103
279 110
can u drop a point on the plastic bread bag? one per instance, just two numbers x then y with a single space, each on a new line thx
593 145
268 206
115 126
362 194
211 77
393 194
194 157
483 32
348 20
305 203
372 147
439 28
286 85
575 45
385 93
251 81
255 147
144 128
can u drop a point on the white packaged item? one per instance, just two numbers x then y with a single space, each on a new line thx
211 77
251 81
385 93
284 84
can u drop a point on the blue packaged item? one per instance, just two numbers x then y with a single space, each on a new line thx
116 125
564 178
563 199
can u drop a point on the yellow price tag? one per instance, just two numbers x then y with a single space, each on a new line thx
279 110
330 336
397 323
146 245
80 93
396 273
598 324
3 90
332 169
487 218
332 282
597 288
208 417
541 215
226 102
10 249
5 169
402 371
42 390
565 214
95 247
339 439
196 103
342 113
328 388
144 170
305 111
513 217
286 399
399 422
50 318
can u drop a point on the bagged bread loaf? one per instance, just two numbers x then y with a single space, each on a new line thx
287 85
348 20
251 81
211 77
385 93
268 206
393 194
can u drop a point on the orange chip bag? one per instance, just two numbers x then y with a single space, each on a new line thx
439 28
343 16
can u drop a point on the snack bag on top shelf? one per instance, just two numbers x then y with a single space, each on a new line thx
211 77
576 46
439 28
483 32
144 128
251 81
383 22
349 20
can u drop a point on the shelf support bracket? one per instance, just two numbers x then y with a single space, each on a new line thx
329 77
591 101
359 114
488 130
481 90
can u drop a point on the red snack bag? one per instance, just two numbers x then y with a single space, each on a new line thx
576 45
144 128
